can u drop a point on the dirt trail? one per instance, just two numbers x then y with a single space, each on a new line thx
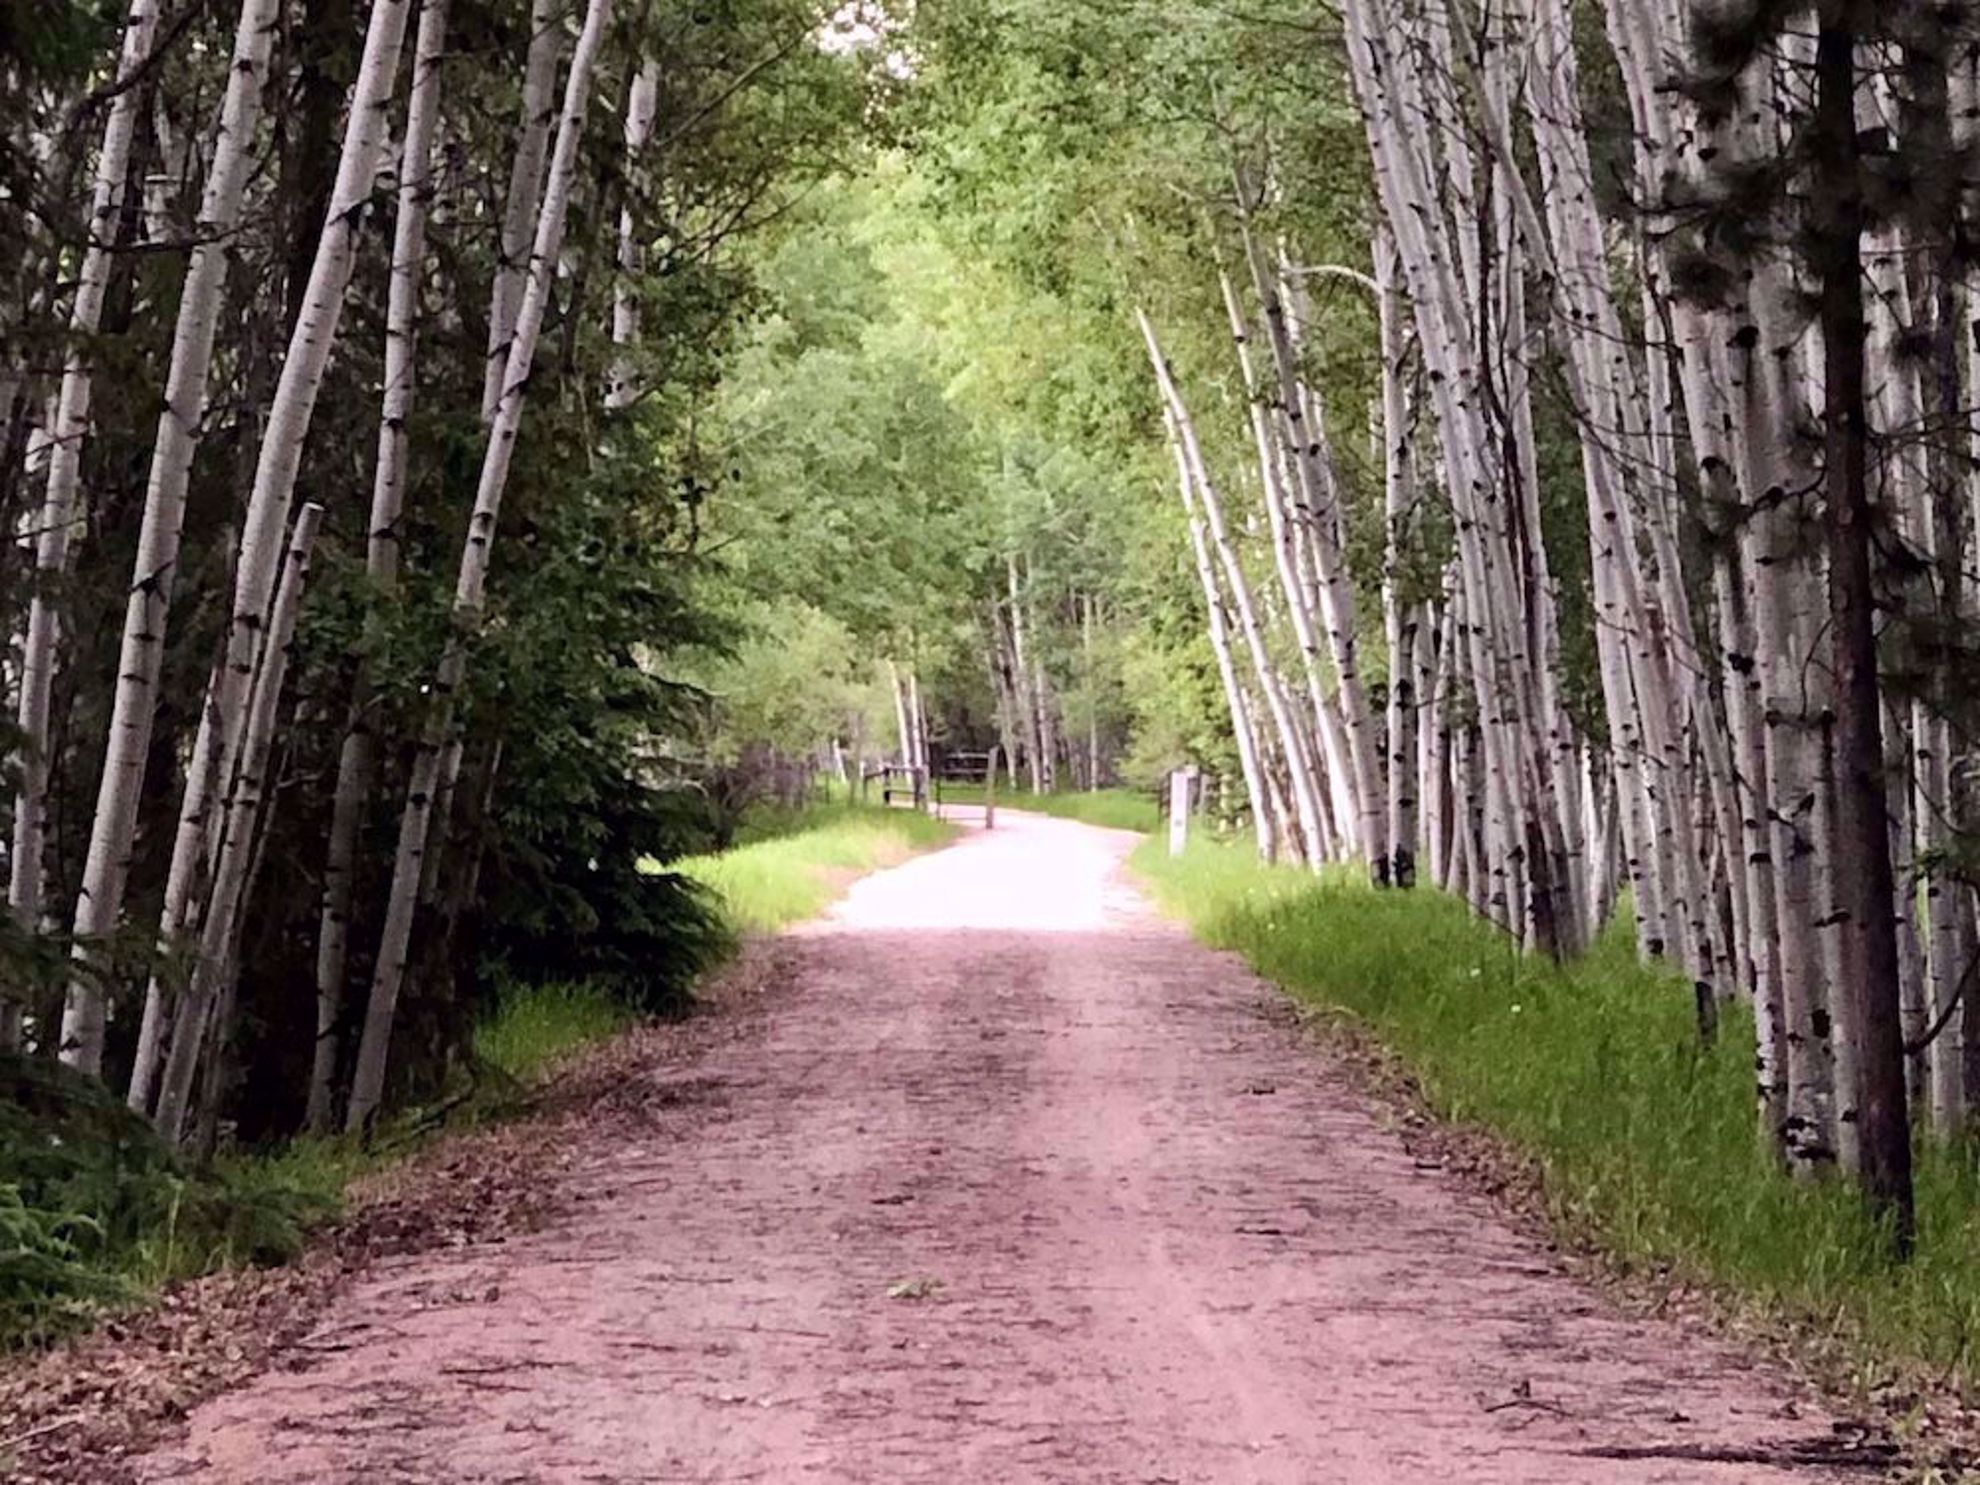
1018 1185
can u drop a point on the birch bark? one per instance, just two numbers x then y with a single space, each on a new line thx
82 1019
220 933
289 416
419 167
147 612
368 1080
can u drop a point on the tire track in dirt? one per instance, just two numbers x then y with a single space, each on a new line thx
1018 1184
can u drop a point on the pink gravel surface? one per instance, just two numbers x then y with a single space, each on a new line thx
1017 1184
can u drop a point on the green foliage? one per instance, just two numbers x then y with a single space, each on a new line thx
785 878
535 1025
1646 1142
93 1206
568 899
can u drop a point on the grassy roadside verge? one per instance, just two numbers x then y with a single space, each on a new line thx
111 1216
1644 1142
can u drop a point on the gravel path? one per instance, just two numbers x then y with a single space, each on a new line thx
1018 1184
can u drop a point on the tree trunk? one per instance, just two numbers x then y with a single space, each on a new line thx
624 388
521 206
289 415
147 612
1243 729
220 932
83 1017
1860 846
357 760
368 1081
1292 741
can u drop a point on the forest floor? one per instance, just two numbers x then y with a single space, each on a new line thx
1003 1179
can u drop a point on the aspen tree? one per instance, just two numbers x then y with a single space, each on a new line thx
147 612
311 342
368 1080
357 760
245 793
83 1018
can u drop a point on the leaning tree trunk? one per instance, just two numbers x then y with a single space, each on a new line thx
1292 740
357 761
368 1079
1297 405
289 416
1285 538
220 933
147 612
521 208
624 388
1243 729
83 1019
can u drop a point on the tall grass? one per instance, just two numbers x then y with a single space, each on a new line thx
778 879
533 1025
1646 1141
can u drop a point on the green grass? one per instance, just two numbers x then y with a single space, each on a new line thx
1117 809
1646 1142
797 863
534 1025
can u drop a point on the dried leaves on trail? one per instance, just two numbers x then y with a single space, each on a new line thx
69 1414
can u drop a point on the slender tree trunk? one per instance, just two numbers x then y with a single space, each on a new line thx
903 728
1861 844
83 1018
289 416
357 760
520 211
368 1081
640 105
147 612
1030 706
1401 618
1243 729
220 932
1292 740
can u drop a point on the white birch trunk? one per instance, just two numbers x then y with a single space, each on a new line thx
521 206
623 390
1243 728
1292 740
368 1081
289 416
147 612
357 760
82 1020
220 932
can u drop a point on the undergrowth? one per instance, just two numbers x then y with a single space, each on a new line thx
94 1209
1646 1141
534 1025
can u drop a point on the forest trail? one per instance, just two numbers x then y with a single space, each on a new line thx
1016 1184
